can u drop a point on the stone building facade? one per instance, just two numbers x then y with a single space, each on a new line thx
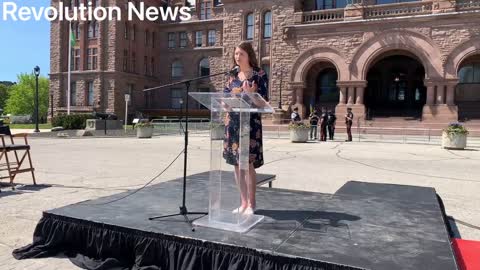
416 59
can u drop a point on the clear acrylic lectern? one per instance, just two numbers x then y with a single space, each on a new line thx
224 183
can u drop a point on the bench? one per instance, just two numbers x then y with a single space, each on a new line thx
262 179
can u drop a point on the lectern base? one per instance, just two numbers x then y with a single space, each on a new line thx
227 222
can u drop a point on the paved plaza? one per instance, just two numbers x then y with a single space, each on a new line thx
78 169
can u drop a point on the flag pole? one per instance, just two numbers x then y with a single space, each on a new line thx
69 66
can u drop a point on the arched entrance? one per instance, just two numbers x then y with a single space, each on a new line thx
467 94
322 90
395 86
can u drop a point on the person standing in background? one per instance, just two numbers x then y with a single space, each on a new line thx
313 125
349 123
332 119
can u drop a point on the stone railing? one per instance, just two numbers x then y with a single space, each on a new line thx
398 9
467 4
328 15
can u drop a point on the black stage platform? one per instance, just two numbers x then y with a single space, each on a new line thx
361 226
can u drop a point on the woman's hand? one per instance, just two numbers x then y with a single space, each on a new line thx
246 87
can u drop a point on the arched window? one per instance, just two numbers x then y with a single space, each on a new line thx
204 67
177 69
267 24
469 73
249 26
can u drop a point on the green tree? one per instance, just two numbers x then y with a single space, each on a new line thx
21 99
3 95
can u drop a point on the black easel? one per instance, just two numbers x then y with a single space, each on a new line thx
183 208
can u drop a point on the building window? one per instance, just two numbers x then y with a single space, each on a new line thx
125 60
152 66
204 67
134 63
90 94
130 90
176 98
147 37
149 98
267 24
153 40
94 2
329 4
91 58
92 29
183 39
190 3
266 68
74 3
211 37
73 94
205 9
145 64
75 65
76 30
198 38
171 40
177 69
249 26
125 32
469 73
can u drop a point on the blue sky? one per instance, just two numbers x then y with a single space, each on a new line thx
23 45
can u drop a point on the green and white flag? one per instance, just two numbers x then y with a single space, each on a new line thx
73 39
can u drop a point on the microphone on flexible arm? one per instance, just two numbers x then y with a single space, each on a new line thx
234 71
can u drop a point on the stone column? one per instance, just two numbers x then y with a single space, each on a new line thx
440 94
451 94
360 93
343 95
351 93
430 94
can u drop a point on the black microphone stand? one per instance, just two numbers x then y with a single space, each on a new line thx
183 208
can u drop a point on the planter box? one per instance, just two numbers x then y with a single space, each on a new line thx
96 124
144 132
454 141
299 135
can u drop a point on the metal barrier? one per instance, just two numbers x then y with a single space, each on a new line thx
360 133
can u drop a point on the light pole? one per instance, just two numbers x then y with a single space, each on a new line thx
280 70
36 71
127 99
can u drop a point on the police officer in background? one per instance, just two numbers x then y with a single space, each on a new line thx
313 125
331 124
349 123
295 117
323 125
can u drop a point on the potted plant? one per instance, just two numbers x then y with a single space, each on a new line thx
454 136
144 129
299 131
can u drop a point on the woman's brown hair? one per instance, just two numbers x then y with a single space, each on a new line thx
252 58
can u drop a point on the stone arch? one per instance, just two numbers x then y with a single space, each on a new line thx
321 54
458 55
414 43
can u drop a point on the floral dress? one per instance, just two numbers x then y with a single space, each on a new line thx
232 126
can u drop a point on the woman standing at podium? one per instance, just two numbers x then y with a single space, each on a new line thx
249 79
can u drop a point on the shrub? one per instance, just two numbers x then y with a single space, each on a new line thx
455 128
298 125
73 121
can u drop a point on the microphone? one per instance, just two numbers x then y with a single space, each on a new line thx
234 71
